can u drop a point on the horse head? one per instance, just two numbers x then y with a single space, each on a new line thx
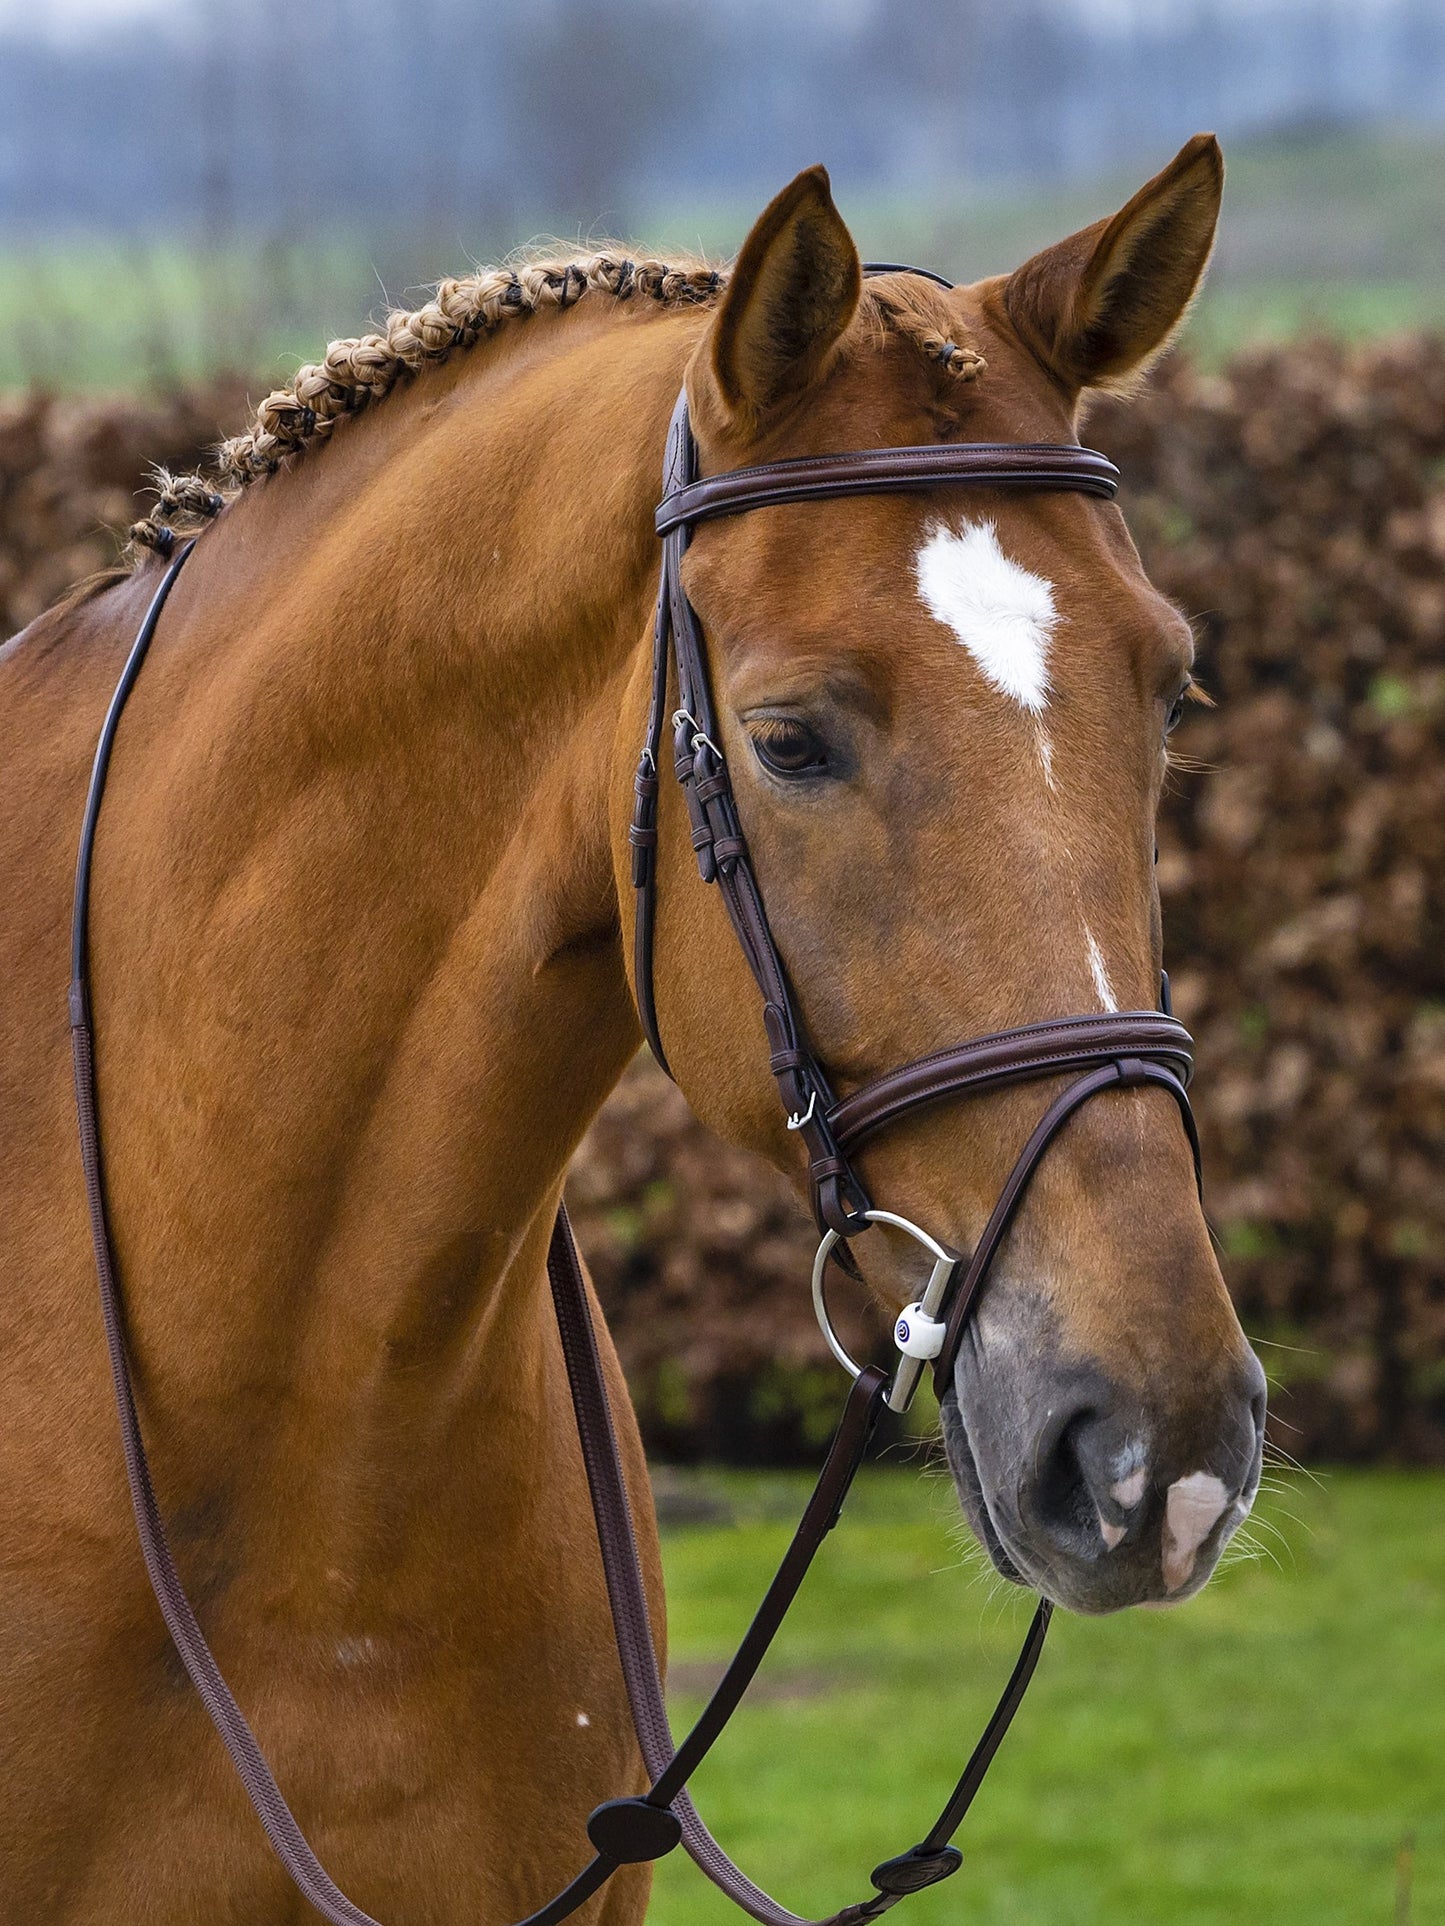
946 720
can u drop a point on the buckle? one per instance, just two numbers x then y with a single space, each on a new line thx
699 735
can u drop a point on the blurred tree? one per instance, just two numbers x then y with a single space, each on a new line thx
600 91
929 58
423 126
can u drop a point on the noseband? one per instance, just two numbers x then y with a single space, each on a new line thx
1099 1053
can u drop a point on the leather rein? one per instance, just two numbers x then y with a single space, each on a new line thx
1102 1052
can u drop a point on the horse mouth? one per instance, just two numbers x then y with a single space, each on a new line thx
964 1467
1097 1584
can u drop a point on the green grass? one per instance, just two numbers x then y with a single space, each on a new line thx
1272 1752
102 313
1254 313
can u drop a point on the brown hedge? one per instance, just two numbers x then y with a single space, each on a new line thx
1294 504
74 470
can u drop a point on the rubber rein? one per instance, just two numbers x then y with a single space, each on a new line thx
1105 1052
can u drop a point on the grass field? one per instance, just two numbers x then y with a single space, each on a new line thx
1273 1752
1340 233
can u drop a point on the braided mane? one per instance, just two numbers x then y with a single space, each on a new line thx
362 370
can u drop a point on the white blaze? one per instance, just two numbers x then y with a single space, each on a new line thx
1003 615
1098 970
1046 754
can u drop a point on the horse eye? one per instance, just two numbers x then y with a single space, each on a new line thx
1176 713
788 747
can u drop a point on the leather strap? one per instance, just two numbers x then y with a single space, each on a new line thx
1009 1057
891 471
1113 1074
642 832
721 850
670 1768
870 268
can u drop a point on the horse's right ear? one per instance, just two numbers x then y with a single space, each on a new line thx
1100 305
792 292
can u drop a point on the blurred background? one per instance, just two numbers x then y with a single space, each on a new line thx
186 184
195 196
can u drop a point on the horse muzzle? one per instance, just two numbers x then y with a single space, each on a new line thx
1097 1494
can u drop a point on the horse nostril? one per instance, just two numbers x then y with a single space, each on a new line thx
1070 1478
1092 1488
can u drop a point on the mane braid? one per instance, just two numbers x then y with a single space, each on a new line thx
358 372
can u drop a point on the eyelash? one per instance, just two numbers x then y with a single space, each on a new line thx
773 735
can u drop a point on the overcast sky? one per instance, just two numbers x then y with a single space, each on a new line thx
63 19
67 18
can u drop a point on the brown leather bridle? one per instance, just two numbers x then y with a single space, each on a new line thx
1108 1052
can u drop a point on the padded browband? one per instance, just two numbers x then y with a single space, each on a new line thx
889 471
1037 1050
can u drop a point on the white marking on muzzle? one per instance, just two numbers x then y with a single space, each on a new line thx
1130 1475
1003 615
1111 1534
1191 1511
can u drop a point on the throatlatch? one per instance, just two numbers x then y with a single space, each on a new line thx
1103 1053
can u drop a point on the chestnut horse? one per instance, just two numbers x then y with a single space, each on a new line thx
360 986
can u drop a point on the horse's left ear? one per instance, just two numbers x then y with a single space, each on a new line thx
1099 305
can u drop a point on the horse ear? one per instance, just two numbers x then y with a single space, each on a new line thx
1099 305
791 293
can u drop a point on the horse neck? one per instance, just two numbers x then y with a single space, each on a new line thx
358 969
